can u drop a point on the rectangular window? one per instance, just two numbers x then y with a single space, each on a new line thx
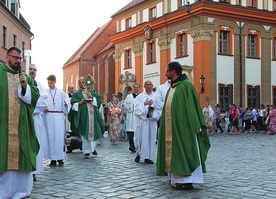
253 98
182 3
225 95
128 58
182 44
151 52
5 37
128 23
14 40
23 49
153 13
224 41
274 48
252 3
252 45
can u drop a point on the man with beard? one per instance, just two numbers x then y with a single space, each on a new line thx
183 142
18 143
41 105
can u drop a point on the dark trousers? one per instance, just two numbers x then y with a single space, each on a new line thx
218 126
130 140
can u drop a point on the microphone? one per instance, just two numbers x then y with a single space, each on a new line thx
20 71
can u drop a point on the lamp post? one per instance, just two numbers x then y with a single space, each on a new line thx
202 82
188 9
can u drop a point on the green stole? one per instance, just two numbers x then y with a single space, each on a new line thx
79 120
181 120
18 144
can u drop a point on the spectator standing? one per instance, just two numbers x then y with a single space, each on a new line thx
235 120
254 119
183 141
218 118
18 142
272 120
41 105
54 120
114 117
227 121
261 118
209 117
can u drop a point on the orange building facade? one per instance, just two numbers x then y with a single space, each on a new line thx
232 44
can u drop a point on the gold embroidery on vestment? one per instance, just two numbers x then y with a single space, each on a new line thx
168 130
14 110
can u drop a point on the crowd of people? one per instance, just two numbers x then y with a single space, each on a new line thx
36 122
241 120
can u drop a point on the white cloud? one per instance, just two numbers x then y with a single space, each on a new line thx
60 27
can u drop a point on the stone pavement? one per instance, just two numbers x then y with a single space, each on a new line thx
238 166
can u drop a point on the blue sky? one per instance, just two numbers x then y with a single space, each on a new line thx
59 29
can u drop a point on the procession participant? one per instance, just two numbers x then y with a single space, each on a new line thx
148 110
183 141
131 119
54 120
41 105
18 143
85 117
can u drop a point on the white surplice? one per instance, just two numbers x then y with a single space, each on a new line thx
145 134
54 120
41 105
131 118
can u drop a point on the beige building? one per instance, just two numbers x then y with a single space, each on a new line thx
230 43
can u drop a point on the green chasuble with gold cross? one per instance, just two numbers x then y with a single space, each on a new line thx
18 142
87 121
181 121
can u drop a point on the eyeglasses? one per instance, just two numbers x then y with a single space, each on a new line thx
168 70
148 84
16 57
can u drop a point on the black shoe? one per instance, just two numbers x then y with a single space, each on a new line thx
53 163
132 149
188 186
148 161
60 162
137 159
183 186
87 155
95 152
34 178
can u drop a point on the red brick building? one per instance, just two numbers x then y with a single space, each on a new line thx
95 57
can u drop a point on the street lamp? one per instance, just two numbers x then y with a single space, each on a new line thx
202 82
188 9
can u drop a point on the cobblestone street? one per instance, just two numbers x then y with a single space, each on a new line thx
238 166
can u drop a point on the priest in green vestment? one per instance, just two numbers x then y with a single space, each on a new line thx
85 117
18 142
183 142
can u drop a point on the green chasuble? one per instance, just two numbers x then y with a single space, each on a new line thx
18 142
182 118
79 120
